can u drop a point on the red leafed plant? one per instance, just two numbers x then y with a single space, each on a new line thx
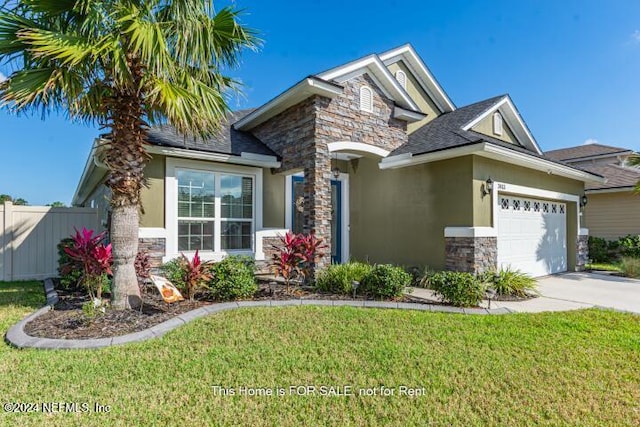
296 255
196 274
89 255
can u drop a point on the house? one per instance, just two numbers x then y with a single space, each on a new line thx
613 208
374 157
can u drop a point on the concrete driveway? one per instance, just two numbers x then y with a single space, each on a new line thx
571 291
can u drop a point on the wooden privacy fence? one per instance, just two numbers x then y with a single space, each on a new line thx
29 236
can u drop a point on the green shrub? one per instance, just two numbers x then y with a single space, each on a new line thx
175 272
423 280
600 249
233 278
385 281
629 246
630 267
512 283
338 278
69 278
457 288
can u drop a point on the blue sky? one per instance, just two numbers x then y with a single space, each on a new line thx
571 67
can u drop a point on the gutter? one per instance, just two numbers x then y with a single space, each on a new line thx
491 151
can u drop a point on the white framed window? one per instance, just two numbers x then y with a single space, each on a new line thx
497 123
401 77
213 208
366 99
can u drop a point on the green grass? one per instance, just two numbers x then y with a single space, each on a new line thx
604 266
555 369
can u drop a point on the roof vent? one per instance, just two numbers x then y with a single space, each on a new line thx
366 99
497 123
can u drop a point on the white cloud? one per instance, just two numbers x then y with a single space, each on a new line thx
2 77
590 141
636 36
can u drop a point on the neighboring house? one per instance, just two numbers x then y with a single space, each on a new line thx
613 209
375 159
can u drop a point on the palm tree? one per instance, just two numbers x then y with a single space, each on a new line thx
123 64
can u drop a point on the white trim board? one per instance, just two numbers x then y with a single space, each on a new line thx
491 151
245 159
152 233
470 232
379 72
357 147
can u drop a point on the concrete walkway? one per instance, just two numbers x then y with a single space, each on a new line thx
570 291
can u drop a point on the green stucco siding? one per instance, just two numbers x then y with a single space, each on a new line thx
398 216
485 127
418 95
152 196
273 200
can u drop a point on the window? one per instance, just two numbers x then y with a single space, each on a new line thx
215 211
366 99
497 123
401 77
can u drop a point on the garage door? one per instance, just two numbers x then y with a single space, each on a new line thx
532 235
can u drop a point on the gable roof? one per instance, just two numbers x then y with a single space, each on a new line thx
226 141
582 152
422 74
617 177
372 65
454 129
327 83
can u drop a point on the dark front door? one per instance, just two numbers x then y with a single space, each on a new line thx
297 209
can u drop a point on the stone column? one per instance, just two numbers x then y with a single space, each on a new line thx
471 254
317 198
582 252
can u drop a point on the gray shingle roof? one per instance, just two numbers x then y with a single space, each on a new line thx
445 131
227 141
582 151
617 177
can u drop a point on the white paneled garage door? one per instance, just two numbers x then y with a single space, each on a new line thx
532 235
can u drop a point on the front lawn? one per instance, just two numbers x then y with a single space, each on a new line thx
561 368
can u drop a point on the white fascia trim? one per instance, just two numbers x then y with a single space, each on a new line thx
247 159
531 162
90 167
509 111
615 155
267 232
304 89
378 70
493 152
152 233
611 190
422 74
470 232
357 147
407 115
583 232
407 159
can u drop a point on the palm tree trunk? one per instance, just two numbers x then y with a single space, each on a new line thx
125 292
126 158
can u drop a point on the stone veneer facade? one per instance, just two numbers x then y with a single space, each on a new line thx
471 254
156 248
300 134
582 252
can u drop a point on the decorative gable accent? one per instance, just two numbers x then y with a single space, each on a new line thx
419 70
497 123
401 77
511 119
366 99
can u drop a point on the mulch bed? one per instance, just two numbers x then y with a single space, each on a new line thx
68 321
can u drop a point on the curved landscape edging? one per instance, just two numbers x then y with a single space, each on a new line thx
18 338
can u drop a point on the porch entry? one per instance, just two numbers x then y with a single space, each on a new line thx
297 216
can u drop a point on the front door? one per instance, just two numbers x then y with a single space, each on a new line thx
297 209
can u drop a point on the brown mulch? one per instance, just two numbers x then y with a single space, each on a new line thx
68 321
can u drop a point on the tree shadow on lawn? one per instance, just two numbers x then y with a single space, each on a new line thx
25 294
